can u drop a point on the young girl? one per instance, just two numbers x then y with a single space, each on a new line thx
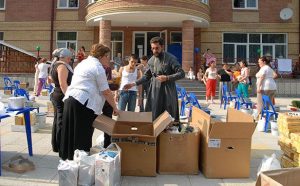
129 74
210 77
191 74
200 76
244 79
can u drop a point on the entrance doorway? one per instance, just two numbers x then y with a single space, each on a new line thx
141 42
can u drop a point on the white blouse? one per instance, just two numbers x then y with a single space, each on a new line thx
88 82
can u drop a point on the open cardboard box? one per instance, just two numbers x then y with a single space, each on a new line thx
225 146
280 177
179 153
136 134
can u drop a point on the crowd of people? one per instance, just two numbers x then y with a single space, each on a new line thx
83 92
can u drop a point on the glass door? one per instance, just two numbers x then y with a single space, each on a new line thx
164 35
139 44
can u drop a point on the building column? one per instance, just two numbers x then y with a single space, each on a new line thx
187 45
105 32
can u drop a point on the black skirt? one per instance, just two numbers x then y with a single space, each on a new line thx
77 130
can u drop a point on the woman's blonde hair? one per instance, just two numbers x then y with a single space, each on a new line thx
99 50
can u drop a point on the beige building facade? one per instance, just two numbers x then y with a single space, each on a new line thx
232 29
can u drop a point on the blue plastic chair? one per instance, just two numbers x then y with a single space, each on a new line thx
267 104
8 85
184 101
17 84
22 92
194 102
226 96
240 101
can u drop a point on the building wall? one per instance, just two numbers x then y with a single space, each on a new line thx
28 24
264 20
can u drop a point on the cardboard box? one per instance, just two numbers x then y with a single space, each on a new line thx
225 146
7 92
135 134
24 85
44 92
50 107
19 119
179 153
281 177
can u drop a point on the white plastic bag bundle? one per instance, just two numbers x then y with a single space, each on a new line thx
86 169
268 163
108 167
2 108
67 173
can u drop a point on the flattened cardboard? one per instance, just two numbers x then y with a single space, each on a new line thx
104 124
225 146
135 117
161 123
281 177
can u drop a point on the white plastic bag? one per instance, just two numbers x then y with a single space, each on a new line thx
268 163
108 167
86 168
67 173
2 109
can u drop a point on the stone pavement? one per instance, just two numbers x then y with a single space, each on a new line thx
46 161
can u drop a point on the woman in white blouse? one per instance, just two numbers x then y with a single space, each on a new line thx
265 81
84 100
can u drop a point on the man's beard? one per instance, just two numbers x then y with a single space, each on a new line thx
157 54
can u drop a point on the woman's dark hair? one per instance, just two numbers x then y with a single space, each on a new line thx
158 40
83 48
266 60
244 62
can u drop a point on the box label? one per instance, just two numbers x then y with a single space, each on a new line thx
214 143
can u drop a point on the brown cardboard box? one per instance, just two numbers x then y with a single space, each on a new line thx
179 153
281 177
225 146
24 85
7 92
19 119
135 133
44 92
50 107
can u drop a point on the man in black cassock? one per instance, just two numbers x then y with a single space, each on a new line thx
164 70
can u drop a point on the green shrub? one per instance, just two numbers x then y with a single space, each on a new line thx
296 103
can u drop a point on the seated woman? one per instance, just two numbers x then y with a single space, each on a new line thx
191 74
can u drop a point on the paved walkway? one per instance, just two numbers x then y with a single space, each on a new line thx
14 143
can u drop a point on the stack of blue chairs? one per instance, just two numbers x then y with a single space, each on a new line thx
188 99
268 110
226 96
241 101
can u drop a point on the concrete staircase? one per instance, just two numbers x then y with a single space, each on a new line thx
195 87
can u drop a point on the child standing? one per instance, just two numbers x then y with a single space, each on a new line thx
210 77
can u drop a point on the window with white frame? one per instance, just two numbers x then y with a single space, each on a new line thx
2 4
1 36
245 4
176 37
67 40
116 44
67 3
250 46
